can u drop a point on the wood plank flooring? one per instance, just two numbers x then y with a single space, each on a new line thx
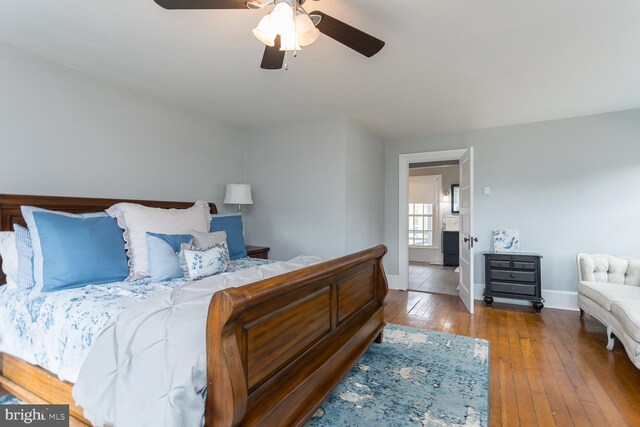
431 278
548 369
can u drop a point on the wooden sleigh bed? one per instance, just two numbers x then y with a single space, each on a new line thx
275 348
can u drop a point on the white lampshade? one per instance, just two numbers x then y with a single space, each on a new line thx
238 194
307 32
266 31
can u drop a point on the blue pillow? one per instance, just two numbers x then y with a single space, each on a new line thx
164 263
38 262
71 251
25 257
232 225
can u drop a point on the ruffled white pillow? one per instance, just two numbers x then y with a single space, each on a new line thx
136 220
9 255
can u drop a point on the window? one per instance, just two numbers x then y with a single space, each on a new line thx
421 224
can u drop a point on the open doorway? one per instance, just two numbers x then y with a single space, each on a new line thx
466 238
434 227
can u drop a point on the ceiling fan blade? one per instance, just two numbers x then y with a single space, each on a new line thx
202 4
348 35
273 57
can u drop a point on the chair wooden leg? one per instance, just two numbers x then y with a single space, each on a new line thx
611 339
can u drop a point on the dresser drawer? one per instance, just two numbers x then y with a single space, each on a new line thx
516 276
513 288
524 265
500 263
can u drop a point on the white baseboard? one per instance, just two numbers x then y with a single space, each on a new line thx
562 300
393 281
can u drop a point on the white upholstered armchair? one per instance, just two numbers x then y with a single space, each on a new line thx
609 290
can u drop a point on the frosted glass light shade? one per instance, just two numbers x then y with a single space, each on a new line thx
238 194
289 38
266 31
307 32
281 17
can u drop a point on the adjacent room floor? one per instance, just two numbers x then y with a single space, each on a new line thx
431 278
548 369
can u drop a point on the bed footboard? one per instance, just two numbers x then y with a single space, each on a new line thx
277 348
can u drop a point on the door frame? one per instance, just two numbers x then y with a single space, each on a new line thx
403 205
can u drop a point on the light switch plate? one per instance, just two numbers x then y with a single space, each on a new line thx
487 191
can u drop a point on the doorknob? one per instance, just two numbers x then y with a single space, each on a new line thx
471 241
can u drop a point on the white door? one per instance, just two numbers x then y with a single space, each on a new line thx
467 240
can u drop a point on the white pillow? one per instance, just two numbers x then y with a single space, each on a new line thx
9 255
206 240
136 220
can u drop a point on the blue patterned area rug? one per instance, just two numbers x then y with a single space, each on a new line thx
414 378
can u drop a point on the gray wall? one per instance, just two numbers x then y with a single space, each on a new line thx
318 188
65 133
569 186
297 174
365 189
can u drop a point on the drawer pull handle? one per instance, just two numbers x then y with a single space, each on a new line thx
512 275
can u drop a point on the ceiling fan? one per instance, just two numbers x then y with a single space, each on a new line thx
288 27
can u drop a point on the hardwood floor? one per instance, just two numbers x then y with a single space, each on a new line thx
545 369
431 278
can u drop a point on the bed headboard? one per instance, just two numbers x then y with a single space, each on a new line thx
10 208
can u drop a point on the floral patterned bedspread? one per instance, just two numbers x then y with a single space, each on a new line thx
56 330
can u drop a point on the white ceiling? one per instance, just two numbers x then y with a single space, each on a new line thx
448 64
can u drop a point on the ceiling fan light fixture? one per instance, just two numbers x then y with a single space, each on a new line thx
266 31
281 16
289 40
306 31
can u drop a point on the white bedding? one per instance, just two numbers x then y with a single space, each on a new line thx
57 330
148 368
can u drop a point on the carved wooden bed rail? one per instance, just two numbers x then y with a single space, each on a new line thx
276 348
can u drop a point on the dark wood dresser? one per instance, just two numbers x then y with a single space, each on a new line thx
258 252
513 275
450 248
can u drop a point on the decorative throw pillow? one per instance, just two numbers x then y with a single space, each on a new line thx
203 241
232 225
192 247
164 263
25 257
207 240
205 262
9 255
136 220
72 250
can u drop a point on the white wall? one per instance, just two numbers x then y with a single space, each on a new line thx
65 133
318 188
569 186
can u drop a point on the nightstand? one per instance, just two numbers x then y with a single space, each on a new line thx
513 275
258 252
